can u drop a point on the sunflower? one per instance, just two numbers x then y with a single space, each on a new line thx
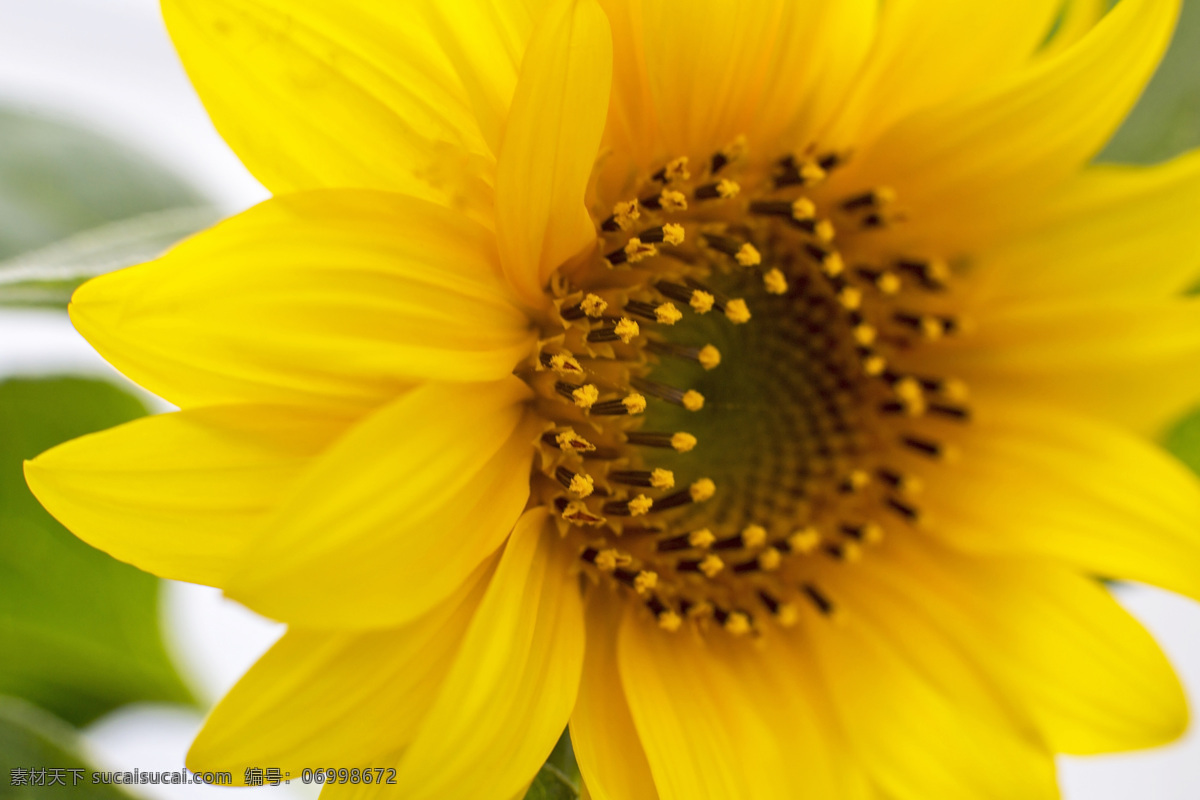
761 387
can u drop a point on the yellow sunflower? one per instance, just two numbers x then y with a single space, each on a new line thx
760 387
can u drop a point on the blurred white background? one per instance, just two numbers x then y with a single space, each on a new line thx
108 65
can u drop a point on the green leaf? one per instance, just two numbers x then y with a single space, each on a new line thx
1183 439
1166 121
80 630
559 777
47 276
57 179
30 738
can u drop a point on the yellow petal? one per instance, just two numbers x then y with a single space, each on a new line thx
963 167
1037 482
335 698
316 95
1115 231
917 714
508 694
719 718
485 40
551 143
1078 17
1080 667
1098 358
181 495
606 743
929 51
398 513
338 297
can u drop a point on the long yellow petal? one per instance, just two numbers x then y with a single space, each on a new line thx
1039 482
1079 666
965 167
181 495
606 743
929 51
334 698
1115 231
508 694
337 297
917 714
1096 358
317 95
551 144
398 513
719 718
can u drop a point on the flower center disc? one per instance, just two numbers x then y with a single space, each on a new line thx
733 394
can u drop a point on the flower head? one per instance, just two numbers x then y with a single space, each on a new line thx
755 385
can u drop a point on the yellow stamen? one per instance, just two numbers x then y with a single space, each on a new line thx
825 231
737 623
634 403
709 357
693 400
864 334
812 173
577 514
804 541
669 621
728 189
636 250
608 560
770 559
677 170
582 485
672 200
803 209
787 614
748 255
662 478
644 581
640 505
737 311
564 364
702 490
668 314
754 536
712 565
586 396
702 302
850 298
625 214
683 442
673 233
701 539
626 329
570 441
594 306
775 281
834 265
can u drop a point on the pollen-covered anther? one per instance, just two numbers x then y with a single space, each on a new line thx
737 623
657 478
701 539
775 281
623 216
584 396
570 441
669 620
625 330
637 250
874 198
769 559
577 513
702 490
667 313
850 298
631 405
609 559
737 311
702 302
674 172
680 442
753 536
711 565
633 507
692 400
593 305
744 253
562 363
855 481
804 541
867 533
576 483
645 581
709 357
723 189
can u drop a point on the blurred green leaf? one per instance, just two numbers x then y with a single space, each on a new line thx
1183 439
57 179
31 738
559 778
47 276
1166 121
80 630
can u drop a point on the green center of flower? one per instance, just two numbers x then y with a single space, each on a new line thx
733 391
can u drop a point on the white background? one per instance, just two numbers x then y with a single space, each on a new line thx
109 65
